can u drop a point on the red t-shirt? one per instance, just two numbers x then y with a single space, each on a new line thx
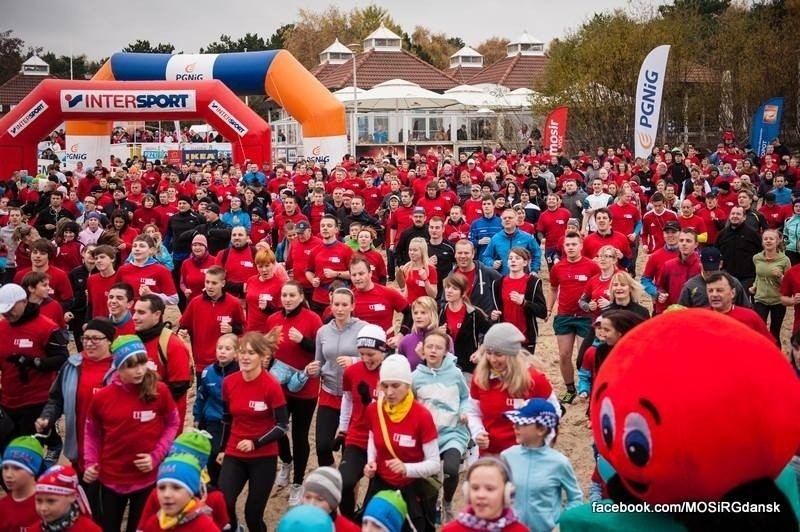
512 312
553 225
789 287
202 318
693 222
595 241
473 209
434 207
415 287
455 318
335 256
750 318
400 220
53 310
97 288
377 264
624 217
29 340
570 279
494 401
90 381
408 436
252 407
155 276
256 291
470 277
60 287
378 305
299 255
238 263
291 353
653 228
17 514
193 274
352 378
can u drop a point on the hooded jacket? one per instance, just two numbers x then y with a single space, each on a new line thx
332 343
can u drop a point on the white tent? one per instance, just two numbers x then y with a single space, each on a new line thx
399 94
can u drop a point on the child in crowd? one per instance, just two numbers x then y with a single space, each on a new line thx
178 487
439 385
323 489
207 410
37 284
425 313
385 512
22 462
489 494
306 518
548 474
352 238
61 503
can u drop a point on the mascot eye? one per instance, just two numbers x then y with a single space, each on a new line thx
607 421
637 439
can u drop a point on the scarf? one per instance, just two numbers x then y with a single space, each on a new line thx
398 412
190 512
152 332
468 519
198 261
64 522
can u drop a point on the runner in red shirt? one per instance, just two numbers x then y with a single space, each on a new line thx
376 303
721 294
653 223
300 255
713 216
551 226
328 262
653 269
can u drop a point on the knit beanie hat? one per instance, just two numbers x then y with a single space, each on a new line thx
504 338
327 483
124 347
62 480
102 325
388 510
395 368
306 518
194 442
200 239
183 469
371 336
25 452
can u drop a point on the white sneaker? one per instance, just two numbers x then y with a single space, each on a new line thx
284 471
295 495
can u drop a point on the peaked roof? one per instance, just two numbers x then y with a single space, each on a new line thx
527 38
35 60
375 67
14 90
337 48
382 33
467 51
513 72
325 69
463 73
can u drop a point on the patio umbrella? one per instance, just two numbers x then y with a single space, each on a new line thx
471 97
345 95
399 94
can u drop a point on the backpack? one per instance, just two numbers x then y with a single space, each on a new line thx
163 343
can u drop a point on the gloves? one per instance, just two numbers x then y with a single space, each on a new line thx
23 361
338 441
363 393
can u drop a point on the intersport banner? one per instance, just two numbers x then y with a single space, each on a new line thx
766 124
555 130
649 90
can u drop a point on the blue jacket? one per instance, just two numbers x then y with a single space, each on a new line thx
236 219
444 393
208 402
255 178
483 227
501 244
541 475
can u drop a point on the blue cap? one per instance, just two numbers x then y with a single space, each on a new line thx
537 411
182 469
387 509
306 518
26 453
124 347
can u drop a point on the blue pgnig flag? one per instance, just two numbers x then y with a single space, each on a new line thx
766 124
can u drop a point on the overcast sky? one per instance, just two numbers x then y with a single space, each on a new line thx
99 28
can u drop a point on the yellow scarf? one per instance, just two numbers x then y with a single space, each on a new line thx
171 521
398 412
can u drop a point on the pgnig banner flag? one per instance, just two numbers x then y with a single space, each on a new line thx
649 89
766 124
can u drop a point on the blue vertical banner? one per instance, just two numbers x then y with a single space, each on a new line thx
766 124
649 89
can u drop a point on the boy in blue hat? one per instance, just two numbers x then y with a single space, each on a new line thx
22 463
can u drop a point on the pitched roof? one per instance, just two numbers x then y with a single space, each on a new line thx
14 90
697 73
323 69
466 51
463 73
375 67
338 48
513 72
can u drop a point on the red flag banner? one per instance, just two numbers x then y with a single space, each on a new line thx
555 130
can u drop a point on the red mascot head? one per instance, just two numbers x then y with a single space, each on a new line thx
691 405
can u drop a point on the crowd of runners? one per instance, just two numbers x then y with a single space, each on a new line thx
396 304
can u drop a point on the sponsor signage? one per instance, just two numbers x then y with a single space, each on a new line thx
190 67
228 118
27 119
128 101
649 90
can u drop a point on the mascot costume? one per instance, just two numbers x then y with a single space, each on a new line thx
695 407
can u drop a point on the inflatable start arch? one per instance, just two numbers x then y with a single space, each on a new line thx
53 101
275 73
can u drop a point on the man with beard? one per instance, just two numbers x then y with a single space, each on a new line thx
238 261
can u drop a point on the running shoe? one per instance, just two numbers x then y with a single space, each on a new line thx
284 472
567 397
52 455
295 495
447 512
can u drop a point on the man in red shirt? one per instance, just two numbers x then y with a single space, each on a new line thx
473 206
329 261
568 280
456 227
689 220
291 213
606 236
42 251
713 216
680 269
300 254
551 226
654 267
653 222
721 294
98 284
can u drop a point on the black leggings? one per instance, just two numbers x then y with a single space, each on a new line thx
301 411
327 424
259 474
215 429
352 469
112 508
451 462
24 419
420 500
775 313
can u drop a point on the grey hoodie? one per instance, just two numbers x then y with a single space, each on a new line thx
6 236
332 343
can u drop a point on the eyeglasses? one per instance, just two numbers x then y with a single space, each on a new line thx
94 339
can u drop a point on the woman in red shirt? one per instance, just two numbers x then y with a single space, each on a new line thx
521 296
193 269
465 323
403 448
262 292
145 274
126 233
503 379
418 276
297 350
254 418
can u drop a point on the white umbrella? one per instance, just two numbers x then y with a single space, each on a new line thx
469 96
345 95
399 94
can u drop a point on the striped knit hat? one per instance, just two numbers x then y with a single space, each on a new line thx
26 453
124 347
327 483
